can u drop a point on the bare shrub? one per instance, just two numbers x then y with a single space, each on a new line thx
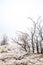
23 41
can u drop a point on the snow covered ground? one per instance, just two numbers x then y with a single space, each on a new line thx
11 54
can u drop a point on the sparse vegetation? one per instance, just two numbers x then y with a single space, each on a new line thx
36 37
12 56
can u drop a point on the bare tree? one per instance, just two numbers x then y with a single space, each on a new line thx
4 41
23 41
34 34
37 44
40 29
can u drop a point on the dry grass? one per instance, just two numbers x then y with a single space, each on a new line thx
41 56
7 56
22 62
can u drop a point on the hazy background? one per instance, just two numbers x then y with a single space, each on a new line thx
14 13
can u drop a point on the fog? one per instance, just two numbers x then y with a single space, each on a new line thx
14 15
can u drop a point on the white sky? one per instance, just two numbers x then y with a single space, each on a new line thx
14 13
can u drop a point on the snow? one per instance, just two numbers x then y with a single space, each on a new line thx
9 56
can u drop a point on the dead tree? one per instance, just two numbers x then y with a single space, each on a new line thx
33 32
23 41
41 37
37 44
23 37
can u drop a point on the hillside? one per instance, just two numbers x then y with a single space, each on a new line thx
13 55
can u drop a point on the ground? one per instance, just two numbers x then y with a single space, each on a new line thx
11 55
